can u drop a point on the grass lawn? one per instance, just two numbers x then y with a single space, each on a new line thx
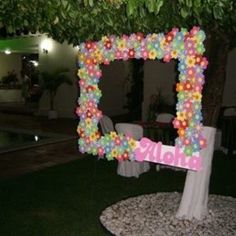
67 200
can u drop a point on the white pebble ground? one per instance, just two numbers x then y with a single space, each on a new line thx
154 215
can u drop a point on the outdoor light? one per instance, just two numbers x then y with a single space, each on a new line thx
77 47
35 63
46 45
7 51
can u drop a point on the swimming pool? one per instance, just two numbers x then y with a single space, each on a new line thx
17 139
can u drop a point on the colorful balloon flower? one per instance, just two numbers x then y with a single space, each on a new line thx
186 47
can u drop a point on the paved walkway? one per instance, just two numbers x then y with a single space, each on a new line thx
33 159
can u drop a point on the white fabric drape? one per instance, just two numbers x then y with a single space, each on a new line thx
195 196
106 124
164 118
131 168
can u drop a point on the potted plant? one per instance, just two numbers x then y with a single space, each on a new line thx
50 82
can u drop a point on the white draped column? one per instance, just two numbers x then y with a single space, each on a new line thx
131 168
196 189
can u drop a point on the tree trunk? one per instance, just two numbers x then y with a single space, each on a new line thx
217 52
51 98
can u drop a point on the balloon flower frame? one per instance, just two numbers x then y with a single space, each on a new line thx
187 48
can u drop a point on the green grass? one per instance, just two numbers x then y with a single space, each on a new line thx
67 200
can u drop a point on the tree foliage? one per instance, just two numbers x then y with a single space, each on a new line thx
79 20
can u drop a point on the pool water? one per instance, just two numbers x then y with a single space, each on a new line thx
17 139
9 138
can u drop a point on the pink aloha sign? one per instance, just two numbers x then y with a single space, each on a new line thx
147 150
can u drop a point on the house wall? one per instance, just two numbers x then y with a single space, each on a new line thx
158 76
112 85
11 96
10 62
60 56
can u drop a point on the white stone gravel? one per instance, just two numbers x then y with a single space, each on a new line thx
154 215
